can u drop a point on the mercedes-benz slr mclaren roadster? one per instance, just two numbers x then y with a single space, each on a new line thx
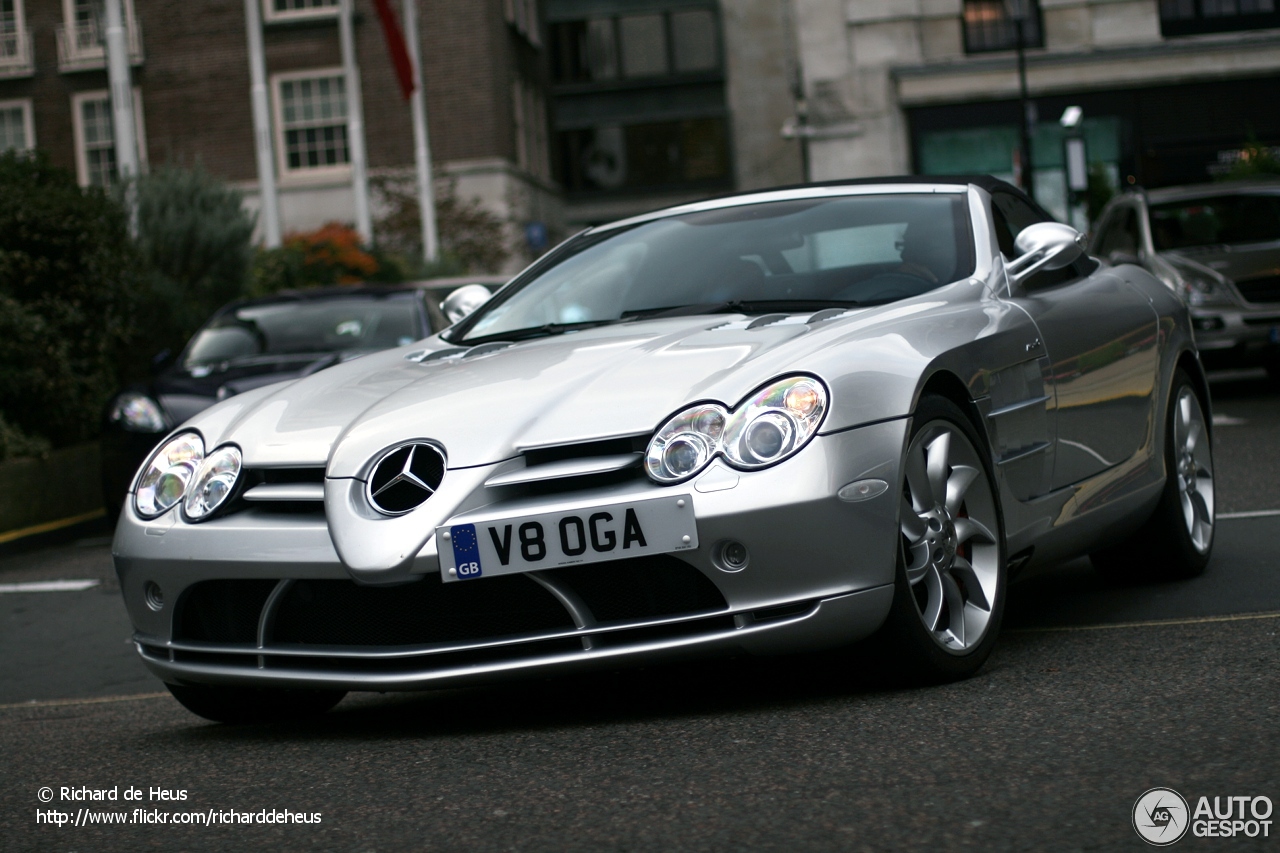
772 422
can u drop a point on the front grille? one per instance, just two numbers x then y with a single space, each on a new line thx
222 611
339 612
1263 289
641 588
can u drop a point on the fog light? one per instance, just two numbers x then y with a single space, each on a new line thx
1208 324
731 556
153 595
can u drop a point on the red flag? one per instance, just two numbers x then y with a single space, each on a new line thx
396 47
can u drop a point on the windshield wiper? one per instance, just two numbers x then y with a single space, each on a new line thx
739 306
544 331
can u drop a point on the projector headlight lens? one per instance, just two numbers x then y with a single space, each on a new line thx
768 427
166 475
214 483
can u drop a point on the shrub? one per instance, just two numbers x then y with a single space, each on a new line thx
472 239
195 236
14 442
325 257
69 295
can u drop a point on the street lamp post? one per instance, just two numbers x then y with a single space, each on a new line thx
1019 12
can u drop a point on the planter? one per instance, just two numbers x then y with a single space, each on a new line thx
65 485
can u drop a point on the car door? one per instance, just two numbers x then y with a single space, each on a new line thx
1100 336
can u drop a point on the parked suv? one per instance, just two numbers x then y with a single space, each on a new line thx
1218 245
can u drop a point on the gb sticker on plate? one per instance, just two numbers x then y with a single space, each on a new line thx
466 551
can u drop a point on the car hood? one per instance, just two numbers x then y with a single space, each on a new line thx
1238 263
489 403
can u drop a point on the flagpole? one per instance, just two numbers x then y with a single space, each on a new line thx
268 204
421 142
121 101
355 124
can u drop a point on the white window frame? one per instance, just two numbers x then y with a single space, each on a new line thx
22 58
77 124
79 56
271 16
28 124
322 174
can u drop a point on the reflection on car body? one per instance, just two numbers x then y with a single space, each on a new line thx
777 421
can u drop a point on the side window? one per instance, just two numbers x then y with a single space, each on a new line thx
1120 233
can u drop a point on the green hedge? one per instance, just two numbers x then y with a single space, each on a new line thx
70 288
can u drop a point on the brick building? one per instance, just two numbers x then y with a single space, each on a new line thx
485 77
524 111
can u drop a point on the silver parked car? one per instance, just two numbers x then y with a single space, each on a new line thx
1218 245
770 422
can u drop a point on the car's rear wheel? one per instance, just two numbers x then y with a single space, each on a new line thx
253 704
1176 540
950 582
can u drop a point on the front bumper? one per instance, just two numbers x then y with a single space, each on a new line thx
1231 337
820 574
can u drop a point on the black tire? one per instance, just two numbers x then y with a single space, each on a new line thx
922 656
253 704
1165 548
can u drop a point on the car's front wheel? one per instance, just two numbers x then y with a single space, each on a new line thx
950 580
253 704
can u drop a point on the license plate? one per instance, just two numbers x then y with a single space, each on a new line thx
552 539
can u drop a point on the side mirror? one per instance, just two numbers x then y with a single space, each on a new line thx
464 300
1044 246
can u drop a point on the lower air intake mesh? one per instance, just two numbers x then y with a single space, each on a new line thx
340 613
642 588
222 611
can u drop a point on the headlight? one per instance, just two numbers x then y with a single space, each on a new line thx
166 475
766 428
137 413
214 482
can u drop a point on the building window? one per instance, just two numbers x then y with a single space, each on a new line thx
661 44
294 10
15 43
649 156
82 38
988 25
311 122
95 142
1190 17
530 114
16 131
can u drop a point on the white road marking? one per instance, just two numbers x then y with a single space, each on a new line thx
1227 420
48 586
1257 513
1154 623
47 703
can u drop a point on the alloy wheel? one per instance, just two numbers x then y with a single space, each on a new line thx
950 548
1193 460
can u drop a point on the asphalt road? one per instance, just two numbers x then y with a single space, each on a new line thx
1096 693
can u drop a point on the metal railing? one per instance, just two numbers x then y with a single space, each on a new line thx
16 55
82 46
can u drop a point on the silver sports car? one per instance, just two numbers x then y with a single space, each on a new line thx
771 422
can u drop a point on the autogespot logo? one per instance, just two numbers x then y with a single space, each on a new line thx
1160 816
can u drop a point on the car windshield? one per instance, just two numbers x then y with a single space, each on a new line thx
1216 221
777 256
311 326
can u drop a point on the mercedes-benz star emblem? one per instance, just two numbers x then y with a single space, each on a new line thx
405 477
